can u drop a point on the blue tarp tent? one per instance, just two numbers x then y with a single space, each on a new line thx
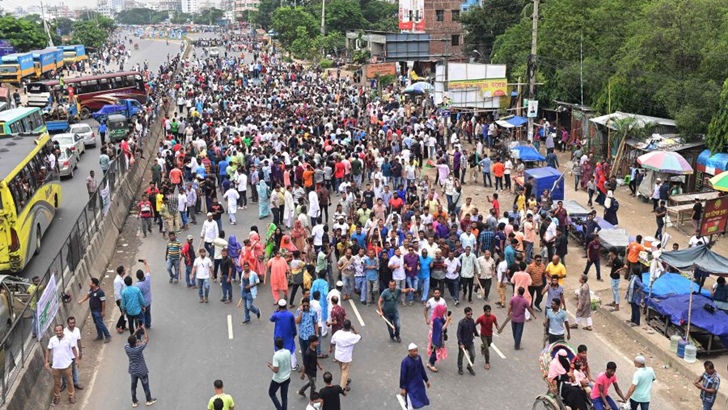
546 178
711 163
517 121
527 153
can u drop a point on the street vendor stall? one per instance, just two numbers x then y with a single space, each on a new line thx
692 316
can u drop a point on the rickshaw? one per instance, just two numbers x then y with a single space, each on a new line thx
551 400
118 127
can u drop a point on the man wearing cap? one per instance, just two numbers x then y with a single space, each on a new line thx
285 328
639 392
411 377
210 231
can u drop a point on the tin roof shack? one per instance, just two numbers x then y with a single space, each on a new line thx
689 150
574 117
607 132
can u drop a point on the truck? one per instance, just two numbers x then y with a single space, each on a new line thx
73 54
60 62
44 63
129 108
16 67
58 118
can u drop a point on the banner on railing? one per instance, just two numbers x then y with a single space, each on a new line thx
106 198
47 307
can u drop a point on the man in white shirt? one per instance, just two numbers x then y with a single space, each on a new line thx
242 186
317 233
119 286
344 341
487 271
314 210
452 276
201 268
232 197
182 208
64 352
209 232
396 264
73 334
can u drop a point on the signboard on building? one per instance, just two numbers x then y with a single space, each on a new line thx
715 216
376 70
488 87
6 48
412 15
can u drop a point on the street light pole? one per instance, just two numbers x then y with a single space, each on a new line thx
532 66
323 18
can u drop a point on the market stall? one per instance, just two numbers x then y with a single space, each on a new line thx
693 315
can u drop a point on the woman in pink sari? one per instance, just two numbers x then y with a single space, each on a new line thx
298 235
436 340
258 254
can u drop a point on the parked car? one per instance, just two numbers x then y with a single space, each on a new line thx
72 141
214 52
67 163
84 130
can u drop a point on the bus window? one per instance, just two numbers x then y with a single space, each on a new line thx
15 128
129 81
103 84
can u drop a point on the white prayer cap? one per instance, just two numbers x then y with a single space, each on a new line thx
412 346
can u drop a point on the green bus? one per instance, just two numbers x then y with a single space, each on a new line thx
24 120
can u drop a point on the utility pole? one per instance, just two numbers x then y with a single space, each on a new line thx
45 25
323 18
532 65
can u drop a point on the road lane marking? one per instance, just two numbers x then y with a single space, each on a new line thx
400 399
356 312
497 350
230 326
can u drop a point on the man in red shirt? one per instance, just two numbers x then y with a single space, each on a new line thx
396 203
593 257
146 214
175 176
498 171
486 322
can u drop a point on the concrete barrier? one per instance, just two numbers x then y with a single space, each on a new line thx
34 385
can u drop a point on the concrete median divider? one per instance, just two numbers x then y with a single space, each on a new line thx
34 386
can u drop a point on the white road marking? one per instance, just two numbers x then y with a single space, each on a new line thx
497 350
230 326
356 312
400 399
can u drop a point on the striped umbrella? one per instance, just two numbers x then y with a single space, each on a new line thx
720 182
666 162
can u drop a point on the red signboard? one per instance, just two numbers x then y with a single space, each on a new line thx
715 216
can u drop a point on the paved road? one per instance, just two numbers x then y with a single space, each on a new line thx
74 190
193 344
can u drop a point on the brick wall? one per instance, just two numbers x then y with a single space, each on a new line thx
445 29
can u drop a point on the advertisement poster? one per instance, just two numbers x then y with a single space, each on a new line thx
488 87
715 215
412 15
532 109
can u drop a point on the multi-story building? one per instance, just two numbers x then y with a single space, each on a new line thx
104 8
190 6
241 6
170 5
438 18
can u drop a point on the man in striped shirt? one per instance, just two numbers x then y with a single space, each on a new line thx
171 255
138 367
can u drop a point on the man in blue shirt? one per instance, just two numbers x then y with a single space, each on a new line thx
132 304
371 274
308 325
359 237
144 283
424 274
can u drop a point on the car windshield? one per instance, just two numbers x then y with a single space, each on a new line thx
81 128
63 156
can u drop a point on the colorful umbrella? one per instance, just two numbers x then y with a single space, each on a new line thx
419 87
666 162
720 182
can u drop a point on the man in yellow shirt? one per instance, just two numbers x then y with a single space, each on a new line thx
556 269
227 400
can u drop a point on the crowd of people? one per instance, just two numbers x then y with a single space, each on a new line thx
298 141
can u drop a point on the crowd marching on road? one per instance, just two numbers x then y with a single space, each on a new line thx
253 130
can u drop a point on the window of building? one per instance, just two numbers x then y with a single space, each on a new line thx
455 15
440 15
455 39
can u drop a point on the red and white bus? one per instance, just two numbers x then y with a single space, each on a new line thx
92 92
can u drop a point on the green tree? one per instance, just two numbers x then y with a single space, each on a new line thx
482 25
65 25
343 15
717 137
90 34
141 16
209 16
283 22
180 18
266 8
22 33
303 46
381 15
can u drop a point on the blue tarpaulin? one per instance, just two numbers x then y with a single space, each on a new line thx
712 163
669 284
701 256
517 121
676 308
527 153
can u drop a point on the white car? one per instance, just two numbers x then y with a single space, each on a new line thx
214 52
87 134
74 142
67 163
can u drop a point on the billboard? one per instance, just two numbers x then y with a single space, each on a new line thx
376 70
488 87
412 15
715 216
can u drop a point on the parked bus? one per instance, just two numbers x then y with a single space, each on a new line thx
22 120
30 195
93 92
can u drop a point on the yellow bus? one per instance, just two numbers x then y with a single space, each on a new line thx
30 195
26 120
